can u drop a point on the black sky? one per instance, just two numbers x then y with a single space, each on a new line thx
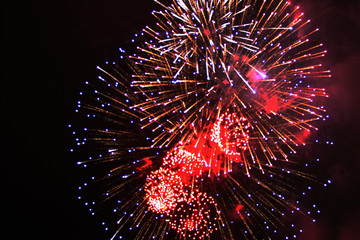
52 47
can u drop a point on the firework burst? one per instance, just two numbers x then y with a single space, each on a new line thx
163 190
193 218
219 95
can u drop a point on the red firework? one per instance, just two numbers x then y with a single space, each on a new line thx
192 218
231 134
164 189
187 165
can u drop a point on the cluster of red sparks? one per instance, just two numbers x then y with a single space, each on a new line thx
192 218
164 189
173 188
231 134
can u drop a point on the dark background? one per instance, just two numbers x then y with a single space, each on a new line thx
52 47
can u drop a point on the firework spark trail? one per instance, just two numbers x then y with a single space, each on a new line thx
222 90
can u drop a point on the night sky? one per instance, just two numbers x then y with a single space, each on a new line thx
52 47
